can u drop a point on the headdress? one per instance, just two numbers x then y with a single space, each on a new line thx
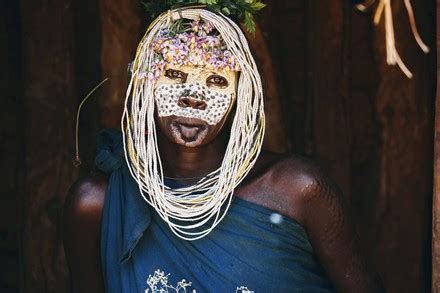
192 211
190 43
241 10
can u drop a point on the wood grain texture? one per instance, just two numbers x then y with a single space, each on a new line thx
50 103
346 93
11 147
436 191
87 59
287 43
327 86
404 115
275 139
120 22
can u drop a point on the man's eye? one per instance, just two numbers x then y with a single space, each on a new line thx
217 80
176 74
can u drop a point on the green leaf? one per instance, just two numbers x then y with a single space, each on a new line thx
215 8
249 22
242 10
226 11
258 6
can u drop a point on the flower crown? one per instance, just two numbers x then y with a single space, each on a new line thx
194 43
241 10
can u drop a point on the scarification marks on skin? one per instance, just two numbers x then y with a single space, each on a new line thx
319 191
333 228
167 101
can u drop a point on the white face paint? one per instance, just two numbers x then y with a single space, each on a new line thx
195 92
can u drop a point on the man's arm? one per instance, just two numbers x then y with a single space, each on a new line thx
331 232
82 228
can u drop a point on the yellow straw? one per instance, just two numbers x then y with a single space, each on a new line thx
77 159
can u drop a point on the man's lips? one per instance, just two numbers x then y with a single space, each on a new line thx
189 129
191 122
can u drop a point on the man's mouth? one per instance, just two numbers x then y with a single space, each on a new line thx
189 130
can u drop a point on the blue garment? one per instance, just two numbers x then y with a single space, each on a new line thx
253 249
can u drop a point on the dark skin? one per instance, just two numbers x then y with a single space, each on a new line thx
290 185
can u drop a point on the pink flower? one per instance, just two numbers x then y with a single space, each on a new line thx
200 45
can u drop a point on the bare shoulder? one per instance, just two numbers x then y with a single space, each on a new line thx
86 195
312 198
81 233
305 186
83 211
304 176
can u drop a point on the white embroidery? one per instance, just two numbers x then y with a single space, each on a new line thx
158 283
243 289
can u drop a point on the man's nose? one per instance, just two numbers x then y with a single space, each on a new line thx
189 101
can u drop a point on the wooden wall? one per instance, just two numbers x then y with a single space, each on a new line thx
330 96
365 121
50 101
11 146
436 198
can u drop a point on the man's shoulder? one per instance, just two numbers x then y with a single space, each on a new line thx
86 195
296 172
81 231
304 176
298 181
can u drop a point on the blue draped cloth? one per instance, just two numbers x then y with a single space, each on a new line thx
253 249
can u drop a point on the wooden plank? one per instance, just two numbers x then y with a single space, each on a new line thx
287 43
327 87
87 57
11 155
120 26
275 139
403 112
436 191
50 105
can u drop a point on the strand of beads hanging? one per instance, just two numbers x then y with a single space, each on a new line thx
194 210
241 10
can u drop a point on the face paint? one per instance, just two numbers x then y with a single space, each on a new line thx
195 92
212 105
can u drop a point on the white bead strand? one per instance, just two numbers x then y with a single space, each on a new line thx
192 211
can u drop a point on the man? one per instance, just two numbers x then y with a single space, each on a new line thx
221 216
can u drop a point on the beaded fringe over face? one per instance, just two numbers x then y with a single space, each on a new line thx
193 211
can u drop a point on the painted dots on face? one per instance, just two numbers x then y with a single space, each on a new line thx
167 102
217 90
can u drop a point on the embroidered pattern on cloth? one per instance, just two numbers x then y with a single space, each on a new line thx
243 289
158 283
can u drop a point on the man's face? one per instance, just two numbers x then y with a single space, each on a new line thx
193 103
